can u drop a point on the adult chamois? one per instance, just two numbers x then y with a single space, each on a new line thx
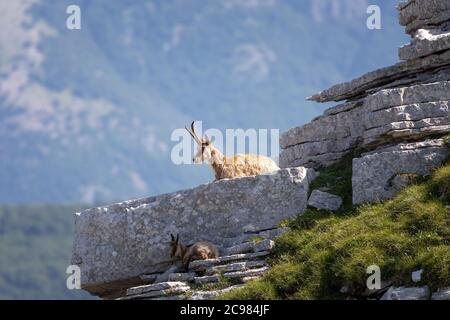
240 165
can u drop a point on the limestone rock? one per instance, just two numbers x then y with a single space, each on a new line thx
240 248
273 233
373 172
207 279
403 293
207 295
182 277
202 265
401 181
415 14
407 95
264 245
250 246
118 243
170 297
247 273
237 266
426 42
407 122
149 278
400 114
324 201
441 294
163 289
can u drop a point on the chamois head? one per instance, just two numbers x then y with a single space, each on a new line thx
175 247
206 152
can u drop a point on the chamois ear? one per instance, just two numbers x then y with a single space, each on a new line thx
206 139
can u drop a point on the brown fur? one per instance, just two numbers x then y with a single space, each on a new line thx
242 165
198 251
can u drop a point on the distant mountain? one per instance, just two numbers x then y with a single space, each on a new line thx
86 115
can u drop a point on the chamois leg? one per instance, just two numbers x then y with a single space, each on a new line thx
186 262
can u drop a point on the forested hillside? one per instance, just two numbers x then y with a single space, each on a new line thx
35 250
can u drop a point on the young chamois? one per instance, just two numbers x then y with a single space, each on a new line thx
240 165
198 251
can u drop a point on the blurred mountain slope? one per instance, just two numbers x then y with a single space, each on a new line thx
86 115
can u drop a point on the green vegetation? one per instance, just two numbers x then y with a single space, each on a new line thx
35 250
325 251
337 179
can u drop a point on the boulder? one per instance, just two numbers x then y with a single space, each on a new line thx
390 115
404 293
407 122
182 277
273 233
237 266
156 288
247 273
202 265
324 201
441 294
207 295
374 172
207 279
114 245
416 14
425 43
251 246
264 245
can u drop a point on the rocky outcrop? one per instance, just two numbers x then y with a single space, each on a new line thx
387 110
441 294
380 174
115 245
425 43
409 113
420 14
405 293
324 201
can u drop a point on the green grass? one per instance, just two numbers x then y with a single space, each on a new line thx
325 251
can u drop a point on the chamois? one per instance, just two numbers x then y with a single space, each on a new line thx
198 251
240 165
